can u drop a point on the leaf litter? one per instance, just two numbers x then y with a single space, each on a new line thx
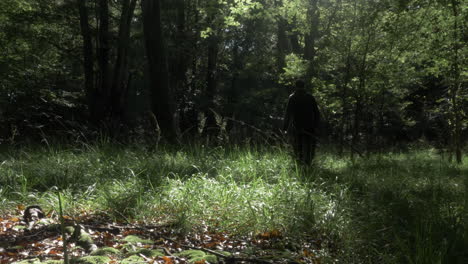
94 238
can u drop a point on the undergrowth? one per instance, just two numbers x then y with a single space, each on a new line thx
390 208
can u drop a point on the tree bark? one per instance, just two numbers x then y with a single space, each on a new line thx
282 40
282 44
121 74
161 95
310 37
181 61
295 46
359 102
344 97
344 85
456 112
102 92
211 80
88 63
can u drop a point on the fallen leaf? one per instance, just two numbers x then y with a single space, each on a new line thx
308 253
211 244
15 219
275 233
167 260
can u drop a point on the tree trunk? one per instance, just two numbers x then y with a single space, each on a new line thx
211 80
233 93
103 51
191 26
293 36
456 112
295 46
282 40
344 99
310 37
161 96
182 50
181 61
346 80
121 74
282 44
87 56
359 102
356 125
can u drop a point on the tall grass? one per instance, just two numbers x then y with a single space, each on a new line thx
391 208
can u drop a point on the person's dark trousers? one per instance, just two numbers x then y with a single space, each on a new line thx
304 147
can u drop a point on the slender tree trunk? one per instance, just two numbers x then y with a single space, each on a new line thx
344 99
182 50
293 37
181 65
87 56
233 93
380 122
188 113
356 125
102 92
359 101
310 37
346 80
161 95
121 74
211 80
295 46
281 45
282 40
456 112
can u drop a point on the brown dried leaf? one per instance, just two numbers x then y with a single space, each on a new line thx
15 219
167 260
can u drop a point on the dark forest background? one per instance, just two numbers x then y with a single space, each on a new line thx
385 73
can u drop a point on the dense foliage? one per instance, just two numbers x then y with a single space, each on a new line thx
384 72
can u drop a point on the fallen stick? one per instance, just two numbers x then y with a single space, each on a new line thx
229 259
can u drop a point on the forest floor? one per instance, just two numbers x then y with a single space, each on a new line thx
200 204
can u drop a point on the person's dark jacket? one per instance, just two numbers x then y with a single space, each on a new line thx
302 113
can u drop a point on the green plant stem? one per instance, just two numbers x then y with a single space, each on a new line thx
62 227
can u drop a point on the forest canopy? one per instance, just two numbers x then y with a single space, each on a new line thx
385 73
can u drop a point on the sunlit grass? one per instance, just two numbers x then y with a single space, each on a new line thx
389 208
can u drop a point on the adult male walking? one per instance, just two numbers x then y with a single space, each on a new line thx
301 122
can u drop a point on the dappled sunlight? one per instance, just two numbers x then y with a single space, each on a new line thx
246 192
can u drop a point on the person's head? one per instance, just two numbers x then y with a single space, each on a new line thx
300 84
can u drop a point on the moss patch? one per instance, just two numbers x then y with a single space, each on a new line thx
105 251
148 252
29 261
91 260
197 255
135 239
133 260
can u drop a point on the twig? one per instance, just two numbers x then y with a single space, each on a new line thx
212 252
168 253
